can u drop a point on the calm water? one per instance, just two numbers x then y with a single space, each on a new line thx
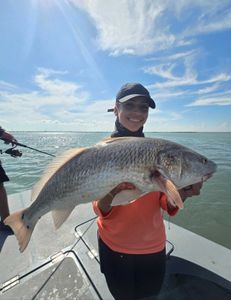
208 214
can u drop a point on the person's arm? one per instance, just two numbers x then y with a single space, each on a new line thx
7 137
104 204
1 131
165 205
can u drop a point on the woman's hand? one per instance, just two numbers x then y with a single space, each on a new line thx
8 138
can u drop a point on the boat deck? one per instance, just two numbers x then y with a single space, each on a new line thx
64 264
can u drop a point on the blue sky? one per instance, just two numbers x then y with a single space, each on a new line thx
62 62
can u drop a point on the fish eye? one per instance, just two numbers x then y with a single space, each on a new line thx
204 160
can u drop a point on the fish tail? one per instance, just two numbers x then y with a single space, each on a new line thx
20 229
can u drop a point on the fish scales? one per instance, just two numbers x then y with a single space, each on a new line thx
91 175
83 175
96 171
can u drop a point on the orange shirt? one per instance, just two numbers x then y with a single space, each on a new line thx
136 228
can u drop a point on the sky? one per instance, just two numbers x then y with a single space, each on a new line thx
63 61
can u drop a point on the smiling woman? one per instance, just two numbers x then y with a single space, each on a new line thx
132 237
133 113
132 105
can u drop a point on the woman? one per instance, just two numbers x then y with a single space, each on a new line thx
132 237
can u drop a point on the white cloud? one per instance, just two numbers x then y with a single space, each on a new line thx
186 62
188 80
189 84
142 27
175 56
6 85
54 86
222 100
213 19
53 104
209 89
128 27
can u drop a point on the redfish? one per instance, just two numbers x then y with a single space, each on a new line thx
83 175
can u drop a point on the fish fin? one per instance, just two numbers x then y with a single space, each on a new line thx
53 168
59 216
20 229
171 191
106 141
126 196
110 140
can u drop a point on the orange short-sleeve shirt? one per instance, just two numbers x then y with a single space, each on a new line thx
136 228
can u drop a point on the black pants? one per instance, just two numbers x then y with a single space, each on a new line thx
132 276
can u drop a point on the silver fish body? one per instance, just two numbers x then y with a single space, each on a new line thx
97 170
81 176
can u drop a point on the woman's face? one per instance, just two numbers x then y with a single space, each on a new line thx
133 113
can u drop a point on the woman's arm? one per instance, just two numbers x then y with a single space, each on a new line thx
104 204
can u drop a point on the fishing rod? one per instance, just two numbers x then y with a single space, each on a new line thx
13 152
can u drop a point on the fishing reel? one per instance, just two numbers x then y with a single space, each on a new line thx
13 152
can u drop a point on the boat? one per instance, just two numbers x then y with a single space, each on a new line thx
64 263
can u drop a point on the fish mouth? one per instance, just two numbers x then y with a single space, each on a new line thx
206 177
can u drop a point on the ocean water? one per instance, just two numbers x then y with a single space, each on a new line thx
208 214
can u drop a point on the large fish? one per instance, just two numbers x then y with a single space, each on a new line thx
83 175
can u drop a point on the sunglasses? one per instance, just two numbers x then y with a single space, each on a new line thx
131 106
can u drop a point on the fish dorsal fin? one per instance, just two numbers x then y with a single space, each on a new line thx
53 168
60 216
110 140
